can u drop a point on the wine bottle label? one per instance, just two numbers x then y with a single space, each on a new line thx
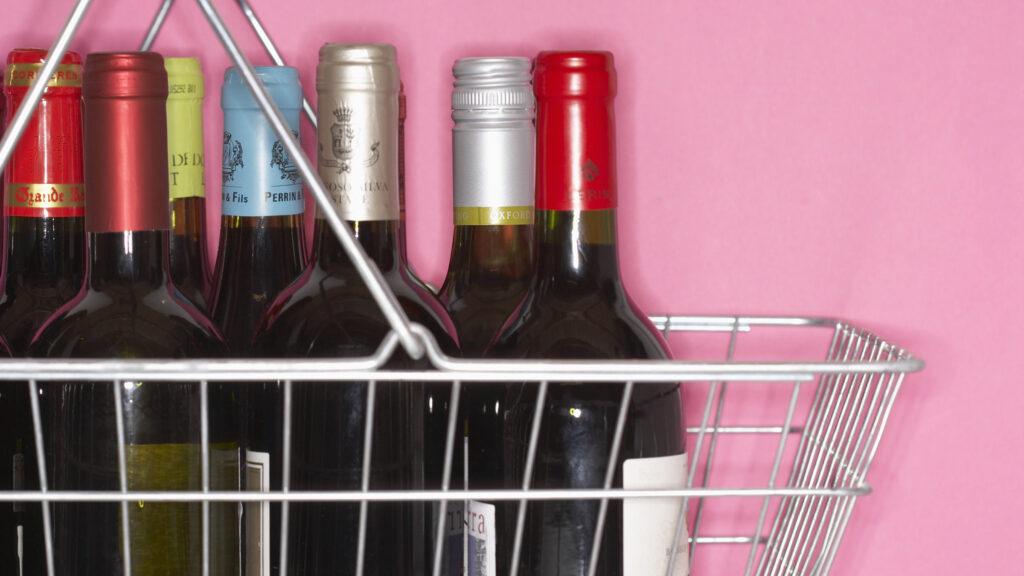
649 525
24 73
259 177
187 175
496 216
45 200
586 186
493 172
357 153
576 156
166 537
470 539
45 173
186 160
257 515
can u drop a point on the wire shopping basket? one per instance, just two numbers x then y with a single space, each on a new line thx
780 447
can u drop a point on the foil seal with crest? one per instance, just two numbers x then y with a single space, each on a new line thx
357 135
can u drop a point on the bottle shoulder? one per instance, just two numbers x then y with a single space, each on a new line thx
329 313
322 314
23 310
602 324
422 306
153 323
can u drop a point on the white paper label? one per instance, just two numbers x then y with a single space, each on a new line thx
257 515
470 539
649 524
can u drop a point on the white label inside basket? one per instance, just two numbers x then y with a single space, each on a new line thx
649 524
257 515
471 539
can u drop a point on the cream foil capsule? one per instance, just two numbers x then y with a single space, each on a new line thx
357 135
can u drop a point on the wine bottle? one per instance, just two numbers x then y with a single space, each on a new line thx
401 176
45 198
45 264
493 171
491 260
329 312
128 308
403 252
190 269
577 308
10 512
262 243
9 561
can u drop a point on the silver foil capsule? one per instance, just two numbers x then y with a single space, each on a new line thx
493 141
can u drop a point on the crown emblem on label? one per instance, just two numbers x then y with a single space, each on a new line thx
232 158
589 170
283 162
343 114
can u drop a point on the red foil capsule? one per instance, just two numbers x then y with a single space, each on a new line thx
126 142
44 176
575 130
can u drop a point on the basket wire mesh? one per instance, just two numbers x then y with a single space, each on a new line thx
854 390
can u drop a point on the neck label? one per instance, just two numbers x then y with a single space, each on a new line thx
186 161
45 200
24 73
259 177
576 155
584 188
496 216
357 153
493 174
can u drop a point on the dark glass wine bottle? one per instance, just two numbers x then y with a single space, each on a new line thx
577 308
329 312
493 171
401 176
129 308
44 200
10 512
403 253
190 268
9 561
262 243
45 264
493 158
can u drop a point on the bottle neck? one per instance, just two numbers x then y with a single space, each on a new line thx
575 250
127 260
481 253
379 239
186 156
45 251
358 158
493 158
248 244
576 191
43 199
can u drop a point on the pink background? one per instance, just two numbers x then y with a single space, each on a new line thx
860 160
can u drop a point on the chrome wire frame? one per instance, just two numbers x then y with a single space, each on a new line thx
272 52
855 387
854 390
